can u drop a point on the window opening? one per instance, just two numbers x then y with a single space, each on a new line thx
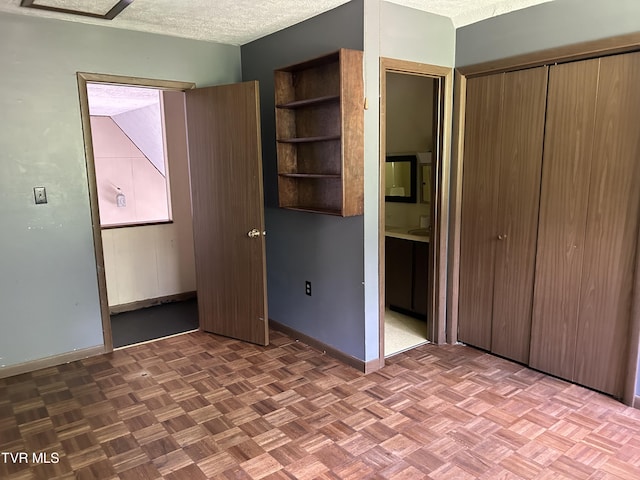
127 130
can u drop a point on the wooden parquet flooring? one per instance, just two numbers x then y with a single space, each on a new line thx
199 406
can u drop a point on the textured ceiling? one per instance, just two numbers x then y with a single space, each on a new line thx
236 22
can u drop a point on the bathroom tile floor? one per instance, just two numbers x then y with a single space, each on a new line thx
402 332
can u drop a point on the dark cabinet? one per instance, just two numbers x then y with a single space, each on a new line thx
406 275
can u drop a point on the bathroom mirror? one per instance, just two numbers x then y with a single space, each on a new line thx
400 178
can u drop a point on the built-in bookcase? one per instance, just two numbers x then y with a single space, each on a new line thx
319 134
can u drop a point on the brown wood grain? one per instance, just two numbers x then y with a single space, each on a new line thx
287 192
563 208
320 116
479 209
200 406
317 81
320 157
318 120
287 153
522 126
283 88
453 254
320 194
352 127
611 229
226 184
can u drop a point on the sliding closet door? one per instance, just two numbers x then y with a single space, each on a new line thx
479 202
612 228
522 127
563 211
589 219
504 133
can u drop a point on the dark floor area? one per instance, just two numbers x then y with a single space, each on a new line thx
154 322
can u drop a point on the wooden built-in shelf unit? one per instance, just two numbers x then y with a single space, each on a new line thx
320 134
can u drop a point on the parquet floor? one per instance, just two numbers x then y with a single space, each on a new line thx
199 406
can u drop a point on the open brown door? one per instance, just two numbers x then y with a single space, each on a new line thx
223 127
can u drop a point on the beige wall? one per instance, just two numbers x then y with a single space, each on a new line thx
409 124
409 113
156 260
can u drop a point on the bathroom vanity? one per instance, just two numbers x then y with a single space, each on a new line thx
406 270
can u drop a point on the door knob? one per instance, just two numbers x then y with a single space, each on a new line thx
502 236
253 233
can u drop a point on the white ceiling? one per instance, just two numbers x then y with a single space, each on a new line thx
236 22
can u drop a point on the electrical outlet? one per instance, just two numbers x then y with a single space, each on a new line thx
307 287
40 194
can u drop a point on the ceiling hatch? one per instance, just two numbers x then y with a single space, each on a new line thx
105 9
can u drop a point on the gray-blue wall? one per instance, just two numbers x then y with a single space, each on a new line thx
48 284
548 25
325 250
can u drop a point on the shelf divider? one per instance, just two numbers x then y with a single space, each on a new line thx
322 138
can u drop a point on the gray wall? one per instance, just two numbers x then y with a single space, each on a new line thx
409 34
403 33
48 287
326 250
553 24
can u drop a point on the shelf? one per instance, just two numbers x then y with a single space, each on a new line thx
325 211
310 102
323 138
311 175
319 139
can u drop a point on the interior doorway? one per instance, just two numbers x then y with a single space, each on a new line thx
414 108
224 192
142 230
142 169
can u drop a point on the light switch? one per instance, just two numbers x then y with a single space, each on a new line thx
40 194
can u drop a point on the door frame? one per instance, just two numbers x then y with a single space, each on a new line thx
84 78
441 161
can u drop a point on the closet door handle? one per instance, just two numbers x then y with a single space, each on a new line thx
502 236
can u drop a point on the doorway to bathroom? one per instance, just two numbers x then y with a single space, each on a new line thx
413 112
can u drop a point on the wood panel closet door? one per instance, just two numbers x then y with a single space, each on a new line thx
504 134
611 228
479 202
563 209
522 127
